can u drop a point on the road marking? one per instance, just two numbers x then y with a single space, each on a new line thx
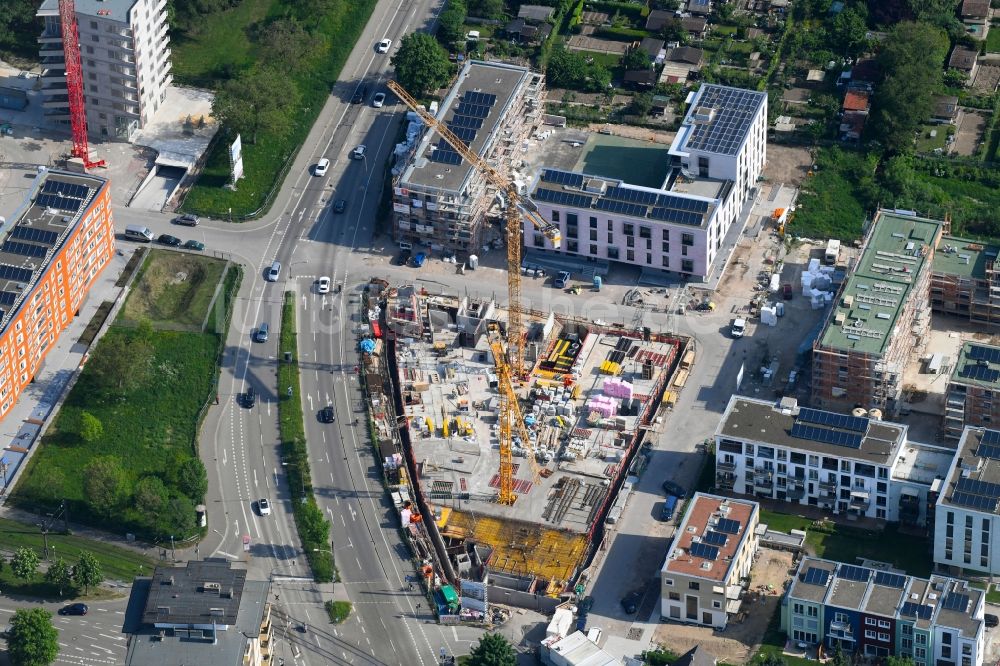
229 555
255 478
114 638
223 456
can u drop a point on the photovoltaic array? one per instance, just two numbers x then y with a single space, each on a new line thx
912 609
816 576
850 572
732 112
887 579
955 601
834 420
728 526
62 195
988 354
704 550
465 123
851 440
975 494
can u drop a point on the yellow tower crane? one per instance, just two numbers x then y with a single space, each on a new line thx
507 373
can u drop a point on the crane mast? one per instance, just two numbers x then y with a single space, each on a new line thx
74 83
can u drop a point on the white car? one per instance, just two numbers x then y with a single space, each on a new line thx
321 167
378 100
323 285
739 328
359 152
264 506
383 46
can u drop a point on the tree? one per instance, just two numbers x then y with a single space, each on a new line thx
771 659
192 479
493 650
451 22
911 59
566 69
32 640
59 574
49 484
91 428
24 563
673 31
641 104
636 59
289 43
839 658
87 572
150 495
898 661
179 519
121 362
421 64
17 24
487 9
850 30
258 100
105 484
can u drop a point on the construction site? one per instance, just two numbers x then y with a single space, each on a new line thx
589 396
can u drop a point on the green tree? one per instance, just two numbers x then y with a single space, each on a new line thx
771 659
121 362
451 22
91 428
150 495
48 484
840 658
487 9
289 43
850 30
566 69
911 59
192 479
179 519
636 59
24 563
87 572
641 104
898 661
313 526
105 484
493 650
19 27
421 64
32 640
59 574
258 100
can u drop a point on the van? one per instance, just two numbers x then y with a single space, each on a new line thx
669 506
273 272
138 233
561 280
262 332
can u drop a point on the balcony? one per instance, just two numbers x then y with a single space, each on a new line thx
725 480
828 485
56 102
860 500
841 630
722 465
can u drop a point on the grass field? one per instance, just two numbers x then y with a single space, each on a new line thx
830 202
219 47
174 288
927 143
993 41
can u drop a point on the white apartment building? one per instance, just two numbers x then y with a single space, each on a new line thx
848 465
677 228
967 515
712 553
125 62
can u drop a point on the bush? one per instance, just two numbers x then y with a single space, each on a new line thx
338 611
621 34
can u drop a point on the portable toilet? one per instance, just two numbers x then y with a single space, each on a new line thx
597 283
450 598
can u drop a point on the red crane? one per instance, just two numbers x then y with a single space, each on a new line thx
74 83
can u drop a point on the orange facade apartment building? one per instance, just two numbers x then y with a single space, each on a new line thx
51 251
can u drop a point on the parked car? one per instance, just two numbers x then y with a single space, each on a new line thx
379 100
326 415
339 206
668 508
250 397
194 245
561 280
674 488
167 239
321 167
187 220
418 259
74 609
786 291
323 285
384 46
630 602
403 258
990 620
264 506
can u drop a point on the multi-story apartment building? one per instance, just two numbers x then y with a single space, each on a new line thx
702 577
965 281
51 251
125 62
881 613
881 314
974 382
678 228
848 465
206 612
440 200
967 520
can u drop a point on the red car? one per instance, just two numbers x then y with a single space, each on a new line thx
786 291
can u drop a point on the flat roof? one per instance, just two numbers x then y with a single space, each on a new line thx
963 257
578 650
718 120
974 479
865 315
977 365
815 430
201 592
712 532
108 10
55 204
474 109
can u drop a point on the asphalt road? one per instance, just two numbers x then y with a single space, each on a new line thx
94 639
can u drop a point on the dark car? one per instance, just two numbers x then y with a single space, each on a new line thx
167 239
250 397
194 245
990 619
672 488
359 95
403 258
786 291
339 206
187 220
74 609
326 414
630 602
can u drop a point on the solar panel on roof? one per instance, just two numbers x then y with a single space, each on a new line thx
15 273
833 419
978 487
621 207
973 501
913 609
988 451
25 249
715 538
890 579
474 110
704 550
562 177
473 97
980 373
816 576
466 134
446 156
681 203
851 440
35 235
8 297
728 526
849 572
465 121
631 195
677 216
988 354
990 437
563 198
956 602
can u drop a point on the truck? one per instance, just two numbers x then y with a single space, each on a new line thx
832 253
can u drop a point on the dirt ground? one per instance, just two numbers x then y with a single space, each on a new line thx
970 132
787 164
739 640
987 78
630 132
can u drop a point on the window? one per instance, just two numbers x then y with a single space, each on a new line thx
645 232
798 608
812 611
593 235
611 225
951 517
593 250
629 255
611 238
93 25
684 250
716 604
628 229
555 216
613 253
946 638
666 247
884 637
669 582
687 266
687 239
572 219
920 653
870 621
883 624
539 240
572 246
921 639
630 241
870 634
593 222
666 234
694 585
665 261
675 596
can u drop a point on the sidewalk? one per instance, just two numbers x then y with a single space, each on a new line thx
35 407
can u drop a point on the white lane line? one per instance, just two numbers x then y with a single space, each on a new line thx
224 459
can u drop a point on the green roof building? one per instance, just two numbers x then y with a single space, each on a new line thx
964 282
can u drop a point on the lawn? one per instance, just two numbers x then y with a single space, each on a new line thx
993 40
927 143
831 203
221 46
150 428
174 290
